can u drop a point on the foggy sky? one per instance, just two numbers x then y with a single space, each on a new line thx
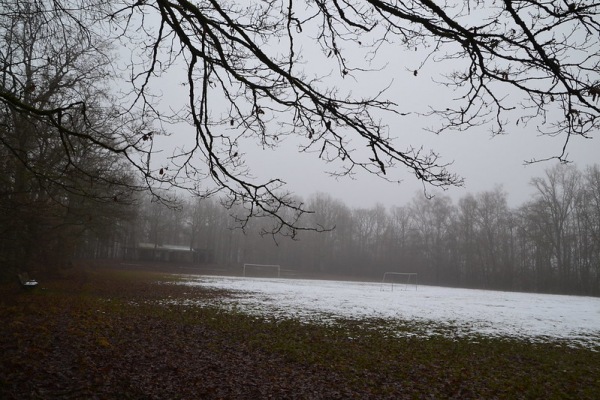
482 160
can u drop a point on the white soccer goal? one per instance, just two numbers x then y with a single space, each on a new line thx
262 270
404 280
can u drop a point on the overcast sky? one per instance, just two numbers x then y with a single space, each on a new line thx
482 160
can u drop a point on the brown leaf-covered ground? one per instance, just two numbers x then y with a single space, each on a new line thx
115 334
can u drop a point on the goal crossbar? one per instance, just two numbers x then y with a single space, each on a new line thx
410 278
263 266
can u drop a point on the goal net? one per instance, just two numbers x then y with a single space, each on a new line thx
399 280
262 270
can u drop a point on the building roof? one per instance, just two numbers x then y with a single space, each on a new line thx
164 247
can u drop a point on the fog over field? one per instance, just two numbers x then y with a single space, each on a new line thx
432 310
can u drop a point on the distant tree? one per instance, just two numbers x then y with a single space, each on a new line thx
248 81
363 235
492 221
210 229
399 240
370 228
432 221
328 250
468 234
556 197
589 231
201 221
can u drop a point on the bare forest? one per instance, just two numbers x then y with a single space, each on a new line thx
96 158
549 244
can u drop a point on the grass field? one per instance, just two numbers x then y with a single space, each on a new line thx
114 334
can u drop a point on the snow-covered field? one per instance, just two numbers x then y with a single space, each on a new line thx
431 310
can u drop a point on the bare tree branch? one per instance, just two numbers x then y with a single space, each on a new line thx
247 76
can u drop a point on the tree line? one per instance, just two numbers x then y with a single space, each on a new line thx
549 244
82 112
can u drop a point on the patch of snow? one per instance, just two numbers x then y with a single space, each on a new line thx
574 319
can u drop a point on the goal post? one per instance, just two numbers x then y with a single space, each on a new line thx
404 279
262 270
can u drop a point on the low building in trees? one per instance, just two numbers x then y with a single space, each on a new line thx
166 253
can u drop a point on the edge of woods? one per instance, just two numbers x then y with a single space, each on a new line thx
112 333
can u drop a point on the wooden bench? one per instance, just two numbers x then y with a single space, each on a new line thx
27 282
